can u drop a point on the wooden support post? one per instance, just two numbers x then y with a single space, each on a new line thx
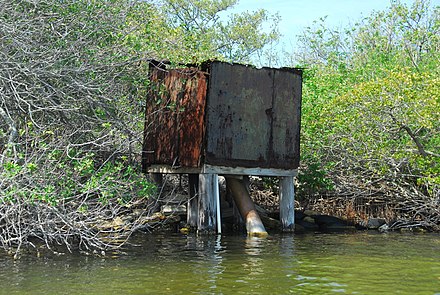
192 211
207 221
218 204
287 203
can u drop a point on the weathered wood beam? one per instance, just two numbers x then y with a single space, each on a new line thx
222 170
207 205
193 201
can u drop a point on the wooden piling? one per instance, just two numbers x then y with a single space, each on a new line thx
193 201
207 205
287 203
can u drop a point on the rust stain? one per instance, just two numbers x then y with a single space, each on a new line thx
244 117
191 120
174 120
249 117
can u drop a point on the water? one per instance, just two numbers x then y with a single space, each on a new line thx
360 263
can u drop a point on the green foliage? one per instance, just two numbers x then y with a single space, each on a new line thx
371 99
313 180
80 80
271 183
184 31
115 181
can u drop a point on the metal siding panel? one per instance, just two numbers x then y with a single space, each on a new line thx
297 119
238 124
286 121
174 120
191 120
158 118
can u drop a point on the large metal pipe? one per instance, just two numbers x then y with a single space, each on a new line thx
245 205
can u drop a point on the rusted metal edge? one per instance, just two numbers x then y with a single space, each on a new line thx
209 169
205 65
166 65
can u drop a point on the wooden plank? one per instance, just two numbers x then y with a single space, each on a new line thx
287 203
257 171
222 170
207 221
193 201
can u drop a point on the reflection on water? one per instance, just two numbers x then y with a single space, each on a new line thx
362 263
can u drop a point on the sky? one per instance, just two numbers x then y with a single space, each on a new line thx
298 14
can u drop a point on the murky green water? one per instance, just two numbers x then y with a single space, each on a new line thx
360 263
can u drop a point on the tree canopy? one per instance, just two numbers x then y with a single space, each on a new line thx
73 80
73 84
371 103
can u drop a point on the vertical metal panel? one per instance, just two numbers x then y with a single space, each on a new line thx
253 116
174 121
191 112
286 117
158 145
238 114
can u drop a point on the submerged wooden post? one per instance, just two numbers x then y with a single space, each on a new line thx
254 225
207 205
193 201
287 203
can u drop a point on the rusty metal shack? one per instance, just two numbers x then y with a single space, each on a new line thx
224 119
